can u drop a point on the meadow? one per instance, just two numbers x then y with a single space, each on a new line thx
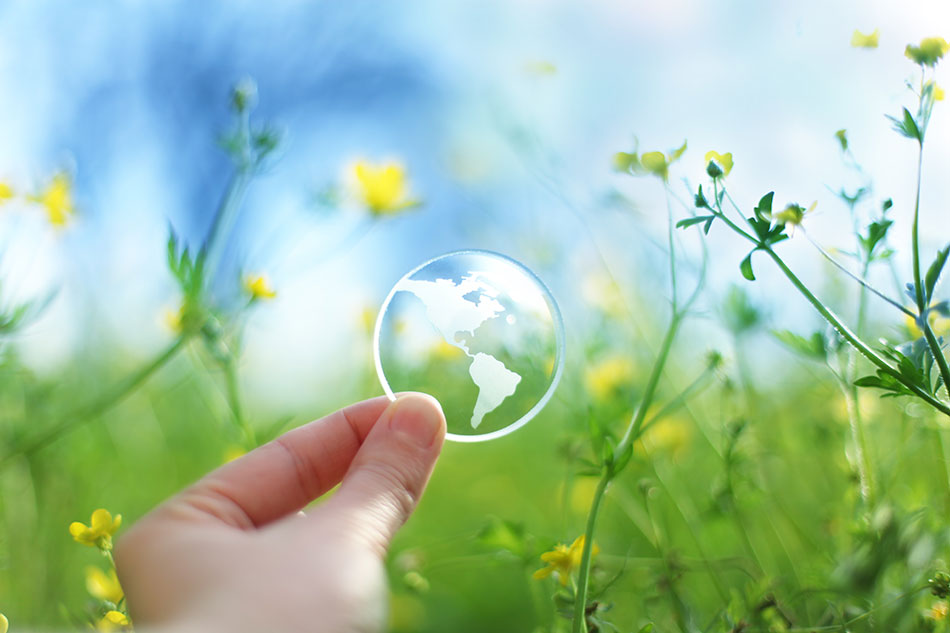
698 469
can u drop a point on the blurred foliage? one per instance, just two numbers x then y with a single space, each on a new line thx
741 502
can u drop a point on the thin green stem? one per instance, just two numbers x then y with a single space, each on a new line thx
224 220
632 433
672 258
915 239
852 338
937 353
635 428
101 404
583 581
850 274
679 400
865 474
234 401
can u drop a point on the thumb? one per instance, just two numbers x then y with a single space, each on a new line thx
390 470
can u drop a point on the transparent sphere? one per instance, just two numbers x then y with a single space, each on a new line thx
478 331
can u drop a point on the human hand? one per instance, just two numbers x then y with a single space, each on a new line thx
230 553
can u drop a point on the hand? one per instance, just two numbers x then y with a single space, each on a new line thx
232 553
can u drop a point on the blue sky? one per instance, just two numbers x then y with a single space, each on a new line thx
130 97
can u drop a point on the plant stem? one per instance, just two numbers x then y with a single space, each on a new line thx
234 401
679 400
937 353
633 431
852 338
583 581
915 240
850 274
224 220
850 393
103 403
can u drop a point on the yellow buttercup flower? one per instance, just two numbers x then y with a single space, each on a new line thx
604 379
939 610
6 192
383 188
650 163
722 161
99 532
793 214
57 199
258 286
928 52
444 352
563 560
939 325
102 585
4 623
113 621
938 92
860 40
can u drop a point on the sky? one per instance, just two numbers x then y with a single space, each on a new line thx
505 113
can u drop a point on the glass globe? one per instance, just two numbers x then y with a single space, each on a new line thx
478 331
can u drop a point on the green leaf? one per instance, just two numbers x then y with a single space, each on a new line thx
746 267
764 210
906 126
933 273
876 232
842 136
500 534
646 628
812 347
694 220
886 382
700 199
887 204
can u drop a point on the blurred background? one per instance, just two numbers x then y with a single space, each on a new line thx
504 117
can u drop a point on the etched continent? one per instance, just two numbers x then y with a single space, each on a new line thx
452 312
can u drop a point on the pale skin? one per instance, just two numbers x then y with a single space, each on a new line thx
232 553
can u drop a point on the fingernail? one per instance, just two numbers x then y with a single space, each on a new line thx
418 418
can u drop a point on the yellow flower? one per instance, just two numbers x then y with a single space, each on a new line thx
57 199
929 52
793 214
540 67
939 610
383 188
442 351
113 621
940 325
650 163
103 586
722 161
670 435
258 286
4 623
938 92
563 560
860 40
233 452
604 379
6 192
99 531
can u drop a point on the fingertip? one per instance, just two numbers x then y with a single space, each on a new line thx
418 418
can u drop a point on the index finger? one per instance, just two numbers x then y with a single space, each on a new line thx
284 475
